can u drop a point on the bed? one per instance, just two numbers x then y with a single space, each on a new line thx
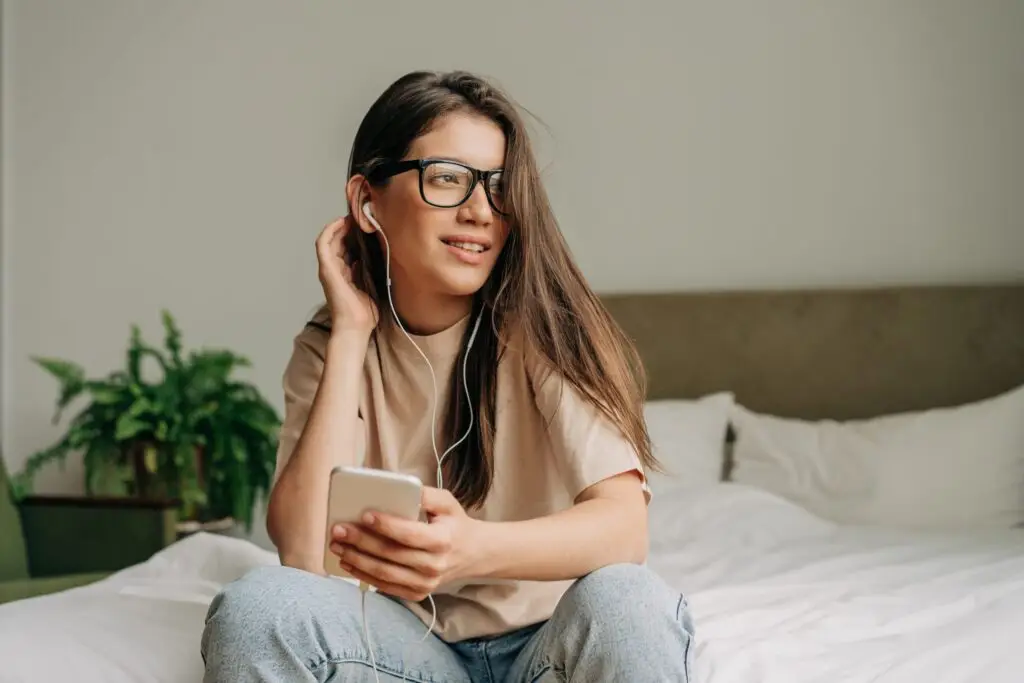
782 585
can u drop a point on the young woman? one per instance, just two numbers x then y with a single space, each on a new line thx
533 553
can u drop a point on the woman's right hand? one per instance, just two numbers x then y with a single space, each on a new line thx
351 308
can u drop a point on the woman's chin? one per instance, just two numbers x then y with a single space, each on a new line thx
464 281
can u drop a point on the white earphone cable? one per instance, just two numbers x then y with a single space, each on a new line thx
433 422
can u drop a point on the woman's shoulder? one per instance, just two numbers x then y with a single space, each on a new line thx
311 339
309 345
319 321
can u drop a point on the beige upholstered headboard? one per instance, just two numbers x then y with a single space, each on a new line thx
831 354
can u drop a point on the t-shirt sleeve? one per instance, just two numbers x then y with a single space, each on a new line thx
300 381
587 446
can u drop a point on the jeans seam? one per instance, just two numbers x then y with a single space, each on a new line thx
383 668
689 637
543 670
487 662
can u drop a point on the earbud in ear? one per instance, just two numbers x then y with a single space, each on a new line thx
368 212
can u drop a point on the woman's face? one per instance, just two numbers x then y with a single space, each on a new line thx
446 251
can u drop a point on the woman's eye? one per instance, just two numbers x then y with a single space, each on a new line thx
447 178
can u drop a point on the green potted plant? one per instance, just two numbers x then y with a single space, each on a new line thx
193 432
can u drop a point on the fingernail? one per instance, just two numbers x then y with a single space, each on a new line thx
368 518
340 532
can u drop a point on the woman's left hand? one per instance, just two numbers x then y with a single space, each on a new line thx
408 558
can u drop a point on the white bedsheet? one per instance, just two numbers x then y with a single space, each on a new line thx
140 625
777 594
780 596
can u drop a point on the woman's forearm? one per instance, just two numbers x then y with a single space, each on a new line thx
297 512
566 545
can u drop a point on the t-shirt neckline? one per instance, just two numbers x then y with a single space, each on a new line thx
441 344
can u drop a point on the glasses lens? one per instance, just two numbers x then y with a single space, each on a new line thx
496 188
446 184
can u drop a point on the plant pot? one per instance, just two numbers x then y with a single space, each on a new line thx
147 482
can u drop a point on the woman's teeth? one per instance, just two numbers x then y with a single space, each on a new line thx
468 246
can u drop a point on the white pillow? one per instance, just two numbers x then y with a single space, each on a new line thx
688 438
946 468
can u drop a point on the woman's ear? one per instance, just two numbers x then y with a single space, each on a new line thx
357 191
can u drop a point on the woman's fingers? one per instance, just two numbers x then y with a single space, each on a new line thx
380 572
409 532
426 563
332 234
350 306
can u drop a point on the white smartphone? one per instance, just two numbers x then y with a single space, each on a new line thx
355 490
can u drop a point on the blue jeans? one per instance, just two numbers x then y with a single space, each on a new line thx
619 623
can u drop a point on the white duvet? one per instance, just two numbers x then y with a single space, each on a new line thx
777 594
782 596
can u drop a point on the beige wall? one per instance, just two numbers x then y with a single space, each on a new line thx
185 154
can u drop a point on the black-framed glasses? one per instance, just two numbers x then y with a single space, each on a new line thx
447 184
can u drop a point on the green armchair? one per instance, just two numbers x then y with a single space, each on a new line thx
52 543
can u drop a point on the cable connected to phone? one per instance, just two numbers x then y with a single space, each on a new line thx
433 377
439 457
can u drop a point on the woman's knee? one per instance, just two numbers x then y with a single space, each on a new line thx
607 613
259 593
623 590
254 605
626 598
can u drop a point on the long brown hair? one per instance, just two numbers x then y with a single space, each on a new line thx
536 287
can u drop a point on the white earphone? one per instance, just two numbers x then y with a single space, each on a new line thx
368 212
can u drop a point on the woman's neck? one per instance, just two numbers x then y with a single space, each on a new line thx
425 313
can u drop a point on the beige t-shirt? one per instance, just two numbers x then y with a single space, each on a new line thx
550 445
